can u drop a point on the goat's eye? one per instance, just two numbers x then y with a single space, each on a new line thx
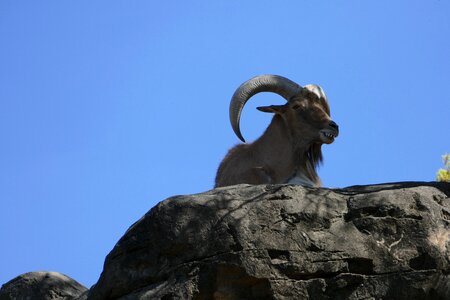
296 106
316 114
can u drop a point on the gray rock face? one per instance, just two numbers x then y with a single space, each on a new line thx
42 286
388 241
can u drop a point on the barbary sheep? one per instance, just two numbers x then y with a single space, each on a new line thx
289 151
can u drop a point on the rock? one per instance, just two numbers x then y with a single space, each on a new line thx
42 286
389 241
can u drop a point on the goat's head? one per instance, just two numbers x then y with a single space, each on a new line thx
306 113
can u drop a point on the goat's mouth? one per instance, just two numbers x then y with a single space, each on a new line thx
328 136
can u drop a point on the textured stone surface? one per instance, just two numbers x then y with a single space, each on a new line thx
387 241
42 286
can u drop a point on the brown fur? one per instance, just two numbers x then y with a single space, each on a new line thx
290 146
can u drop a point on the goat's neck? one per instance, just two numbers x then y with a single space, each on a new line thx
277 149
288 156
275 141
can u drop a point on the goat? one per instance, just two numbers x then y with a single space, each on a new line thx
289 151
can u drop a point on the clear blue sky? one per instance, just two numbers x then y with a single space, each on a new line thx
108 107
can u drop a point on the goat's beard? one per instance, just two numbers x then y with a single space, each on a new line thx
314 155
309 160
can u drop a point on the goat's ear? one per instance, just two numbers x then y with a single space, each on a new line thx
276 109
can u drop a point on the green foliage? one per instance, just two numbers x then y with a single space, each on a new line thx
444 174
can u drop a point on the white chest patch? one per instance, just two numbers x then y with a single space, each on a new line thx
301 179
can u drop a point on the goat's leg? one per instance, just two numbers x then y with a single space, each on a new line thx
259 175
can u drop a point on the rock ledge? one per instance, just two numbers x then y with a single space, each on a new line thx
388 241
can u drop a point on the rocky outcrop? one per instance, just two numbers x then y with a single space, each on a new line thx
42 286
287 242
389 241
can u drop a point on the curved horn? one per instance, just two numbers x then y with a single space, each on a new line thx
263 83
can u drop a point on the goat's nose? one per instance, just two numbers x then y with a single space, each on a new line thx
334 125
